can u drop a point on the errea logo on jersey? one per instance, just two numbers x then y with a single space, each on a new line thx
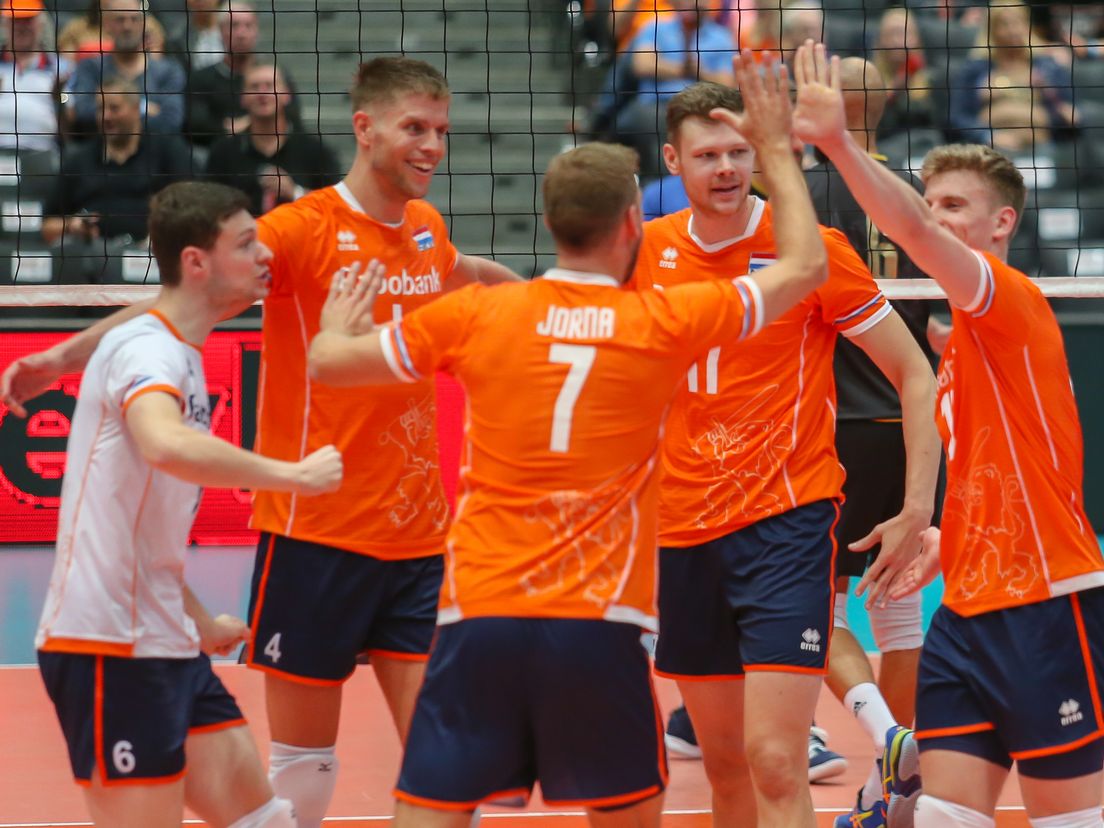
347 240
669 255
810 640
1070 711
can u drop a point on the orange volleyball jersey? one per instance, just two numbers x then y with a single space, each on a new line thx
752 429
1014 524
391 503
568 379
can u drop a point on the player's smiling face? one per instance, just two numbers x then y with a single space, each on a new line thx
408 140
964 205
715 163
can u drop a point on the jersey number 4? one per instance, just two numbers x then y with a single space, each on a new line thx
581 360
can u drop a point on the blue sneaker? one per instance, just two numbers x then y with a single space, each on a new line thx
680 738
863 817
900 776
823 763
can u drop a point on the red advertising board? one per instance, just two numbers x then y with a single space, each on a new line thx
32 450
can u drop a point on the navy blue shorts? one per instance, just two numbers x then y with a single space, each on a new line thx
511 701
314 609
759 598
128 718
1017 684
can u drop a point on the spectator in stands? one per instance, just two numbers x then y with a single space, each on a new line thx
271 161
215 91
899 58
800 20
1011 95
29 79
83 36
197 41
667 56
105 184
161 81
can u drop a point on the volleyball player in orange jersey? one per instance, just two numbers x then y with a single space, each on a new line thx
358 570
1011 665
538 672
750 480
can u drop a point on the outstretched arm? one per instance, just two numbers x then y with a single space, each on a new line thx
470 269
29 376
892 205
347 349
802 263
892 348
166 443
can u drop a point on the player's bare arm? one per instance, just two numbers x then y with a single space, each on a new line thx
29 376
802 263
347 348
472 269
893 206
167 444
218 635
891 347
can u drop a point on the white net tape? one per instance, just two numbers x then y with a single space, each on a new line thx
1084 287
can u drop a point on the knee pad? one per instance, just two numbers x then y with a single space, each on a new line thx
276 813
939 813
839 609
1089 818
307 777
898 625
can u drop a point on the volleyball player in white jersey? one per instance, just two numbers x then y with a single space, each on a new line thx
122 641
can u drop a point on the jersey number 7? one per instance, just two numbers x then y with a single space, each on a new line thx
581 360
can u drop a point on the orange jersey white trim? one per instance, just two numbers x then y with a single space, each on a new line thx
117 585
1014 526
568 380
391 503
752 430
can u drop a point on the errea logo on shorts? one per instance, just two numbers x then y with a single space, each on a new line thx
1070 711
669 255
810 640
347 240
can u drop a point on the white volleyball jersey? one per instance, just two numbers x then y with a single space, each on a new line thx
118 579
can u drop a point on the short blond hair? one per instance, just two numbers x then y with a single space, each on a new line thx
1005 181
384 79
587 191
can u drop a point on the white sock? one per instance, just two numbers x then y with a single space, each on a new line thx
306 776
1089 818
867 705
872 790
276 813
939 813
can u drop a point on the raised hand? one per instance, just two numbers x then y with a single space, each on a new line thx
319 472
819 117
767 112
349 304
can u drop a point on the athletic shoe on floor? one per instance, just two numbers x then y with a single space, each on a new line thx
823 763
680 738
900 776
863 817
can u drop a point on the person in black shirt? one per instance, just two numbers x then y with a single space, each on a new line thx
871 447
104 186
271 162
215 91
